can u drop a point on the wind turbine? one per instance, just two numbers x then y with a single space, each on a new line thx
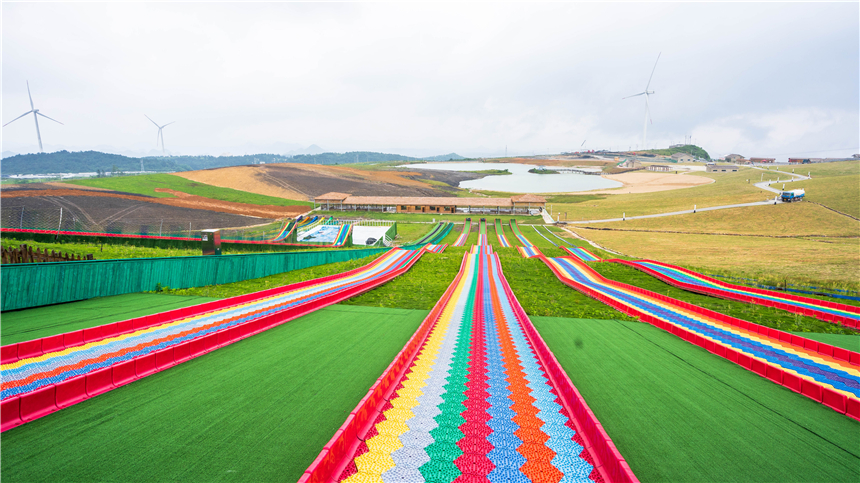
646 93
159 135
36 115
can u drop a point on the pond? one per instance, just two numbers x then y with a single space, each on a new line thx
521 181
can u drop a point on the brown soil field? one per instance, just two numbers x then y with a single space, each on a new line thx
305 181
98 213
183 200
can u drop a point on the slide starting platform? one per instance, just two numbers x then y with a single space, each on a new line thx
45 375
827 374
847 315
475 395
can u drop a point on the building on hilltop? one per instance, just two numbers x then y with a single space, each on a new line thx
683 157
721 168
520 204
734 157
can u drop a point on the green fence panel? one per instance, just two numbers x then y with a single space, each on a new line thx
35 284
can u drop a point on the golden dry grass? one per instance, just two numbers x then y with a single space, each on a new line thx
834 261
794 219
243 178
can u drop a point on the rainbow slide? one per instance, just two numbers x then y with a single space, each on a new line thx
500 232
475 395
582 254
45 375
847 315
482 232
529 252
828 374
467 228
436 248
516 231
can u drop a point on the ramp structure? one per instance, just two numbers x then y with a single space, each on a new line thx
827 374
844 314
45 375
475 395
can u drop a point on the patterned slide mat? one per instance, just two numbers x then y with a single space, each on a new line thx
581 253
30 374
482 233
516 231
677 275
500 232
529 252
826 371
436 248
476 404
467 228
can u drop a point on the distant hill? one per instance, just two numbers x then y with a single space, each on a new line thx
689 149
91 161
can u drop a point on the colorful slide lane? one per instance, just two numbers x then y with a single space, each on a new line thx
529 252
558 237
436 248
500 232
45 375
516 231
482 232
582 254
467 228
475 396
436 235
828 374
847 315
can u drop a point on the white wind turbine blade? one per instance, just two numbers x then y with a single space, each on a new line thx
169 123
634 95
157 137
19 117
583 143
30 96
648 110
150 120
652 72
39 113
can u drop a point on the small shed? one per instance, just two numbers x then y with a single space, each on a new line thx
734 157
762 160
528 201
660 167
331 200
721 168
683 158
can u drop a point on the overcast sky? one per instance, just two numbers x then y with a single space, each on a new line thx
771 79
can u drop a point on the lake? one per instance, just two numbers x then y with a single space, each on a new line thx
521 181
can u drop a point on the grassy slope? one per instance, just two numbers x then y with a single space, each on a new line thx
411 232
767 316
21 325
829 262
789 219
257 410
679 414
146 184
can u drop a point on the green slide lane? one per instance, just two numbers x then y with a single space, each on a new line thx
29 324
680 414
258 410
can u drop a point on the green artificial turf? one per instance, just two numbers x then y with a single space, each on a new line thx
759 314
29 324
678 413
259 410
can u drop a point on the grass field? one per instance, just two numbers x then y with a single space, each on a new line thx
22 325
828 262
787 219
146 184
257 410
411 232
679 414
